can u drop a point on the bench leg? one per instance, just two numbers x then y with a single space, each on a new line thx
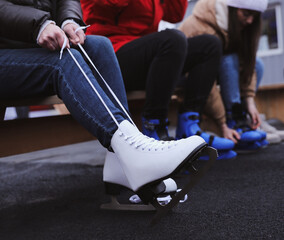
2 113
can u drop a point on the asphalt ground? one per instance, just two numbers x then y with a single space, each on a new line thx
57 193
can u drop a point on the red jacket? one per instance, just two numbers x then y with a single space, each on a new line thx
125 20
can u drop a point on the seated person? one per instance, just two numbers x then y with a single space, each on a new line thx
31 35
154 61
237 24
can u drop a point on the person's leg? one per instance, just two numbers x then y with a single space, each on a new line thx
201 66
259 69
39 72
107 64
153 63
229 81
235 112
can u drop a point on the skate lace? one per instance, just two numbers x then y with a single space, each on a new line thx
89 81
146 143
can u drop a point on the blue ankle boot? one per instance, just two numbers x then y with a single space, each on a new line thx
156 128
246 133
188 126
237 120
251 140
263 142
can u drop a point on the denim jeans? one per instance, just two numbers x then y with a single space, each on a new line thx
39 72
229 79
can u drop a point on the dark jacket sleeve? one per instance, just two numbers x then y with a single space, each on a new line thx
69 9
21 23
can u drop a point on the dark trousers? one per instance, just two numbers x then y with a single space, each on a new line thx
156 62
200 70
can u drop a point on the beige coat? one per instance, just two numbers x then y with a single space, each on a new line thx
211 17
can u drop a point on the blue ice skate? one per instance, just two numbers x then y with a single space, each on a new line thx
156 128
188 125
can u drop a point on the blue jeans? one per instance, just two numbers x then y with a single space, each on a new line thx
39 72
229 79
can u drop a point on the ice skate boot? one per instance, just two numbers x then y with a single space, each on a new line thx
237 120
251 140
188 126
146 162
156 128
263 141
115 179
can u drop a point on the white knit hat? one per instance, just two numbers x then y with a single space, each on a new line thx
257 5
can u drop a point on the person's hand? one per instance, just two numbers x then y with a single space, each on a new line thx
74 37
253 113
52 38
230 133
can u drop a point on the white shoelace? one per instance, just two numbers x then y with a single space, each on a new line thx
140 140
148 143
89 81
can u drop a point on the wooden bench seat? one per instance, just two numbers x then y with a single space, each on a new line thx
26 135
31 134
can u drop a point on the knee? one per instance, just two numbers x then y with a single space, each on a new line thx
230 61
259 65
207 44
100 43
214 45
259 69
175 39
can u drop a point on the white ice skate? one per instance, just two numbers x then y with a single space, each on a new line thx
115 180
146 162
